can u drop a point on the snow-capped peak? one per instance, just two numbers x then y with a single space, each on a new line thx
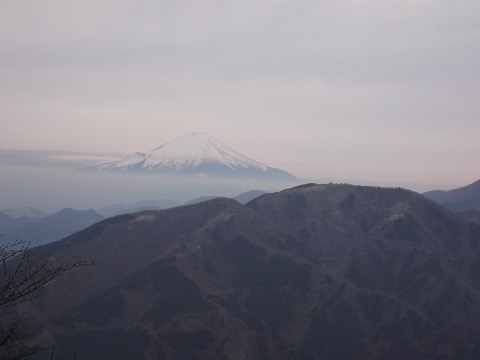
196 154
192 149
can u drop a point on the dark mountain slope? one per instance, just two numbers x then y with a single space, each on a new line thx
314 272
472 215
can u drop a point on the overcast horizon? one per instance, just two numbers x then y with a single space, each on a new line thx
364 92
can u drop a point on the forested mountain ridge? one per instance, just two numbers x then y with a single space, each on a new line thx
312 272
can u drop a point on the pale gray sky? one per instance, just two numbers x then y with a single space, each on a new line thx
375 91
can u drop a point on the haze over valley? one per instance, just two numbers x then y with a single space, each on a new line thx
53 180
193 165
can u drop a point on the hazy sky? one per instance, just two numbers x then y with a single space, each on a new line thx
373 91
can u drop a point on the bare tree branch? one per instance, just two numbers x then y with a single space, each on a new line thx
20 278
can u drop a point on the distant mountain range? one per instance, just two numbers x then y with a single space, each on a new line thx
312 272
8 223
50 228
461 199
160 204
39 228
195 154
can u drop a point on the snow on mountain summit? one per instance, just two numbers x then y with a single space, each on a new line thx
197 154
195 148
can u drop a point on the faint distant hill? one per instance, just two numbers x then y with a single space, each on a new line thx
461 199
25 211
5 221
54 227
201 199
119 209
248 196
197 155
8 223
242 198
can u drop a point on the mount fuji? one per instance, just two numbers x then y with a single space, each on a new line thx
195 154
